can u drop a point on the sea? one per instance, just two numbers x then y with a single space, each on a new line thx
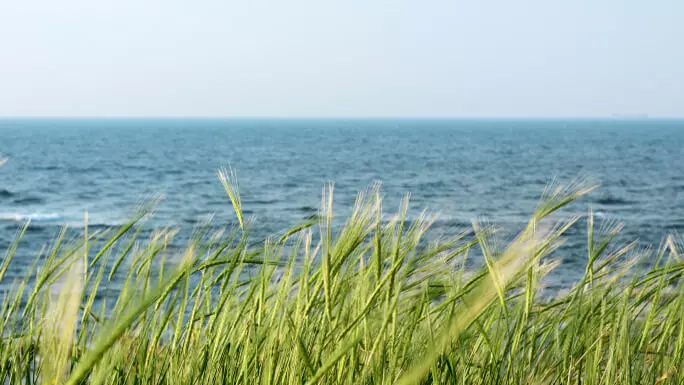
460 170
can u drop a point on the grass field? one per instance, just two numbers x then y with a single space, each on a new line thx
371 302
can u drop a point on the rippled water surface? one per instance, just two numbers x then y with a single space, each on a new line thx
461 169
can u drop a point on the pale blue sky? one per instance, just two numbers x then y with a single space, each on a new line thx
460 58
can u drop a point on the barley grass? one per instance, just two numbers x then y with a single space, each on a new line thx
370 302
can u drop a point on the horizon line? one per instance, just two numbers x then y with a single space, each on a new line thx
330 117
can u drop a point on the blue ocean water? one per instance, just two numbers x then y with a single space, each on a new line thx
461 169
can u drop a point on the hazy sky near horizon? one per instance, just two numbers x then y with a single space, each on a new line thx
461 58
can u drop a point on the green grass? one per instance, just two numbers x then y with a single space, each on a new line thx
372 302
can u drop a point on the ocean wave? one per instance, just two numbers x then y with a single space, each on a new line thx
307 209
91 226
261 201
28 200
44 222
613 201
38 217
5 193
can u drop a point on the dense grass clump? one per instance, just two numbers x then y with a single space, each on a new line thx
370 302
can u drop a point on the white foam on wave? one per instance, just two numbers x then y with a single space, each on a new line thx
68 219
74 224
37 217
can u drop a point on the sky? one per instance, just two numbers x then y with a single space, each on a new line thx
357 58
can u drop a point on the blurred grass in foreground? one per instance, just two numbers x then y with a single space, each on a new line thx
367 303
